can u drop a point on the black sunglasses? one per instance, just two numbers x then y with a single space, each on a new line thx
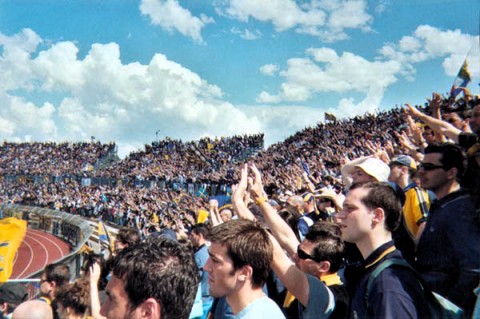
451 121
303 255
429 166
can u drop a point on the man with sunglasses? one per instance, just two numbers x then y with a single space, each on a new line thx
448 253
313 263
54 277
470 142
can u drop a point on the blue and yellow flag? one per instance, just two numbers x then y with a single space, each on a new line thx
461 81
103 236
12 232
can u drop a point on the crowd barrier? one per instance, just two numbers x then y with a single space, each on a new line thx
73 229
208 188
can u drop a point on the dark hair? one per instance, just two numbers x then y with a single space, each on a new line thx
292 220
128 236
58 273
200 229
89 260
76 296
162 269
382 195
247 243
328 243
452 156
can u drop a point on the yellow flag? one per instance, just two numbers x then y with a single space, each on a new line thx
12 232
202 216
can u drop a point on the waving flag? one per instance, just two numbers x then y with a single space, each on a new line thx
305 168
330 117
461 81
12 232
103 236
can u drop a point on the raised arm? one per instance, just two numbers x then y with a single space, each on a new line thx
279 228
214 214
94 274
291 277
436 125
238 195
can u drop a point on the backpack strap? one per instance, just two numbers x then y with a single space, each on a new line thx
439 306
385 264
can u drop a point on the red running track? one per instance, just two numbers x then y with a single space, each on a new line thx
37 250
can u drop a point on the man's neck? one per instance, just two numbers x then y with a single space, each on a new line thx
370 244
242 298
403 182
446 189
200 244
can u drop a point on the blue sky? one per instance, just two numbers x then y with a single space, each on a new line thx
122 70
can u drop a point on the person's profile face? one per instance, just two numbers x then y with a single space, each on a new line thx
222 278
359 176
117 305
355 219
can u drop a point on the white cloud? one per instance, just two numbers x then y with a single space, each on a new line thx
428 43
269 69
127 103
15 60
326 19
381 6
325 70
169 15
265 97
330 72
19 118
101 96
58 66
247 34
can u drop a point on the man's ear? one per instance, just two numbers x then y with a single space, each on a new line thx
4 308
246 272
378 216
149 309
452 173
324 266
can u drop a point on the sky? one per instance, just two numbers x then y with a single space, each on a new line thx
133 72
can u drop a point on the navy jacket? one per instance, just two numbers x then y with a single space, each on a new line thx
448 254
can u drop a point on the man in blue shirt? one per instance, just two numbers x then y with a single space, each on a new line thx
448 254
198 235
238 267
371 212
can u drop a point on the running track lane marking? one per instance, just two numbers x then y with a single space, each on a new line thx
55 244
27 244
31 259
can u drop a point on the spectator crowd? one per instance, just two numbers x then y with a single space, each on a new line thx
362 217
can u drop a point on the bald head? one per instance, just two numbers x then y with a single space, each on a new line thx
33 309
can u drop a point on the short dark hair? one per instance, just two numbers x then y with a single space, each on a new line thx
200 229
328 243
128 236
452 156
247 243
382 195
162 269
59 273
